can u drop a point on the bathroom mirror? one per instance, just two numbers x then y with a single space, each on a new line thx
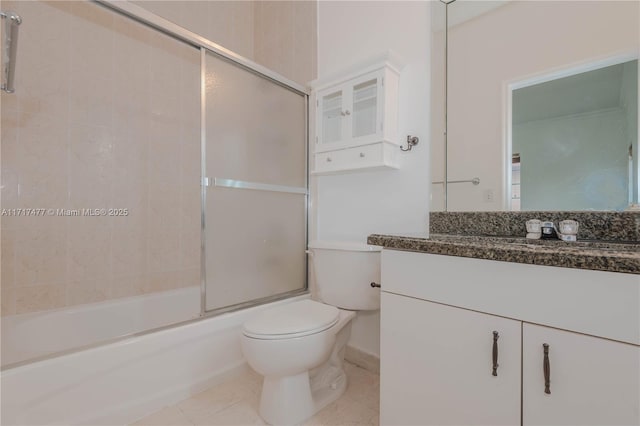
541 105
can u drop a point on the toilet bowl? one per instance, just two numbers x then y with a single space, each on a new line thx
299 347
291 392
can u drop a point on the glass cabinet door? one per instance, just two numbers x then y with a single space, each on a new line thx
365 108
332 115
350 113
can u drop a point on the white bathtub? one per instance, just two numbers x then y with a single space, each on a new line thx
31 335
120 382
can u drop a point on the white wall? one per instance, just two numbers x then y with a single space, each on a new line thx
557 161
352 206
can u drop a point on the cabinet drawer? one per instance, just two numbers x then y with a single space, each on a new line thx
603 304
357 158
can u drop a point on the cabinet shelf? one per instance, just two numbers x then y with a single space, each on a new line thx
367 99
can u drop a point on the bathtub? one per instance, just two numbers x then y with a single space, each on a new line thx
27 336
123 381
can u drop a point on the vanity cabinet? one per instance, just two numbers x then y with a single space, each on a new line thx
438 315
357 119
437 365
593 381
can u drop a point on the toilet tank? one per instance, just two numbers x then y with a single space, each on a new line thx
344 272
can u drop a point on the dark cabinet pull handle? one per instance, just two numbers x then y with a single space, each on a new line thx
547 369
495 353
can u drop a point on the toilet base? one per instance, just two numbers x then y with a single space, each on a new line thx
286 400
291 400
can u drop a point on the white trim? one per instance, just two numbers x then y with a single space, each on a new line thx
573 69
507 148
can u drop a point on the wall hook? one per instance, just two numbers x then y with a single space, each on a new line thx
411 142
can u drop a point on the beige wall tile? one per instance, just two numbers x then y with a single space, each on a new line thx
243 28
10 155
39 298
42 163
190 277
89 248
129 247
91 166
162 281
43 66
7 259
285 38
92 64
87 291
190 226
221 23
8 302
304 41
195 16
40 251
127 286
132 56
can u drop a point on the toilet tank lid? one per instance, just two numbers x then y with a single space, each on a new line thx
343 245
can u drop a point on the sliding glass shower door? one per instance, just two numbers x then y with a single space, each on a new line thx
255 190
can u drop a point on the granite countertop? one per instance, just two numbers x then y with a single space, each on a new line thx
609 256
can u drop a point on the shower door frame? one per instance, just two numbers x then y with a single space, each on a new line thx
206 46
210 182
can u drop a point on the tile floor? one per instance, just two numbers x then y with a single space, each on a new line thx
236 403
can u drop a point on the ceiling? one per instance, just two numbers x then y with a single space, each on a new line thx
590 91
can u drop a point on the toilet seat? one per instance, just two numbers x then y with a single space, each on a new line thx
292 320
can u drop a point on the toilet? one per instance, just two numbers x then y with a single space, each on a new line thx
299 347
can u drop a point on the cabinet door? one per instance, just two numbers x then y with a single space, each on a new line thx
436 365
332 125
593 381
351 114
365 112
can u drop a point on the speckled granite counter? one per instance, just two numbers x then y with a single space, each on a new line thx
594 225
600 256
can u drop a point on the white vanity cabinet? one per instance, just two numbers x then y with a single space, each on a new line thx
357 118
437 365
592 381
437 318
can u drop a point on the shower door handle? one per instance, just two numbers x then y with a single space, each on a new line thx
256 186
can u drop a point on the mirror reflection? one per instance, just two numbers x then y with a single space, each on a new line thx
574 141
541 105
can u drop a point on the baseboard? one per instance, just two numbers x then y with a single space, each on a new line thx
366 360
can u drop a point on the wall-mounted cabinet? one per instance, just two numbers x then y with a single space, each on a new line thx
357 118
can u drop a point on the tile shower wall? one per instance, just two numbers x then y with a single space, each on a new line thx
106 115
285 38
280 35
